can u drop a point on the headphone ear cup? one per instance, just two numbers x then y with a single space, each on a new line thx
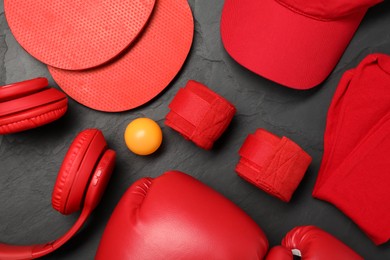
29 104
33 118
76 170
21 89
100 179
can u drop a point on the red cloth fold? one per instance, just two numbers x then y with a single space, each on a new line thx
199 114
275 165
355 169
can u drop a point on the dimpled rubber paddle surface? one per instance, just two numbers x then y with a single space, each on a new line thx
76 34
143 71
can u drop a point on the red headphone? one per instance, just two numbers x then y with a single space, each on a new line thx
29 104
86 169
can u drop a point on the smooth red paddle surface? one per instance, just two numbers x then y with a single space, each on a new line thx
76 34
143 71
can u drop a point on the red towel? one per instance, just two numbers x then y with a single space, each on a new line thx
355 169
199 114
275 165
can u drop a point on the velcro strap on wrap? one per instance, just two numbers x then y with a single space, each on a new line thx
257 151
199 114
276 165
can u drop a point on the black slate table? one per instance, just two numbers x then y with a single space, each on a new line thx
29 161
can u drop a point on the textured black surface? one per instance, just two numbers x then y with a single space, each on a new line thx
29 161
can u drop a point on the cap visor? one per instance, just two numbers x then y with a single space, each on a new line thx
284 46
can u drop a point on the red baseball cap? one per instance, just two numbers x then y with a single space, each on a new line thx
296 43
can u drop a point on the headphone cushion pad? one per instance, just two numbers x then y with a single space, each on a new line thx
33 118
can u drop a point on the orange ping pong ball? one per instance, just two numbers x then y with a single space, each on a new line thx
143 136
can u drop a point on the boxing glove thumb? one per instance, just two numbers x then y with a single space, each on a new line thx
175 216
279 253
311 243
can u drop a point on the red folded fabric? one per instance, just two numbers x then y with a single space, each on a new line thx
355 169
275 165
199 114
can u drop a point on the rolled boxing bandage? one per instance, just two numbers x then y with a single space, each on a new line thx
199 114
275 165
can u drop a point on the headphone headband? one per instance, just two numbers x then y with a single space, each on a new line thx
97 175
12 252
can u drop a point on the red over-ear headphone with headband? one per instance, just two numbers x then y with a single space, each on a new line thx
85 171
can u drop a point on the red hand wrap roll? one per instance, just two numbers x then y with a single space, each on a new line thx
275 165
199 114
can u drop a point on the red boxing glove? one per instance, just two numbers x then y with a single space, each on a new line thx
275 165
175 216
199 114
311 243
